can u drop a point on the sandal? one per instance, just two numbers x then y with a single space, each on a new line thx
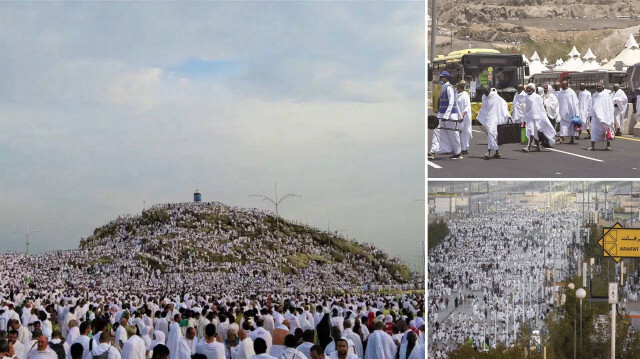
487 155
526 149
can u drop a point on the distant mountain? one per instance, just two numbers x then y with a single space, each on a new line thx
465 12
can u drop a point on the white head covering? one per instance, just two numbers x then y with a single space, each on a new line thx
159 339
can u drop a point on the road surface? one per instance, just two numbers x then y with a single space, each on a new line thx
561 161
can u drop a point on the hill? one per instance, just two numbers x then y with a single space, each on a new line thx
210 246
463 12
550 27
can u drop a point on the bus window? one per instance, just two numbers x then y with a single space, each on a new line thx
505 79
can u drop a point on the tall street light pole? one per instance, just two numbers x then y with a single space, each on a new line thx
26 235
451 32
276 201
432 50
581 293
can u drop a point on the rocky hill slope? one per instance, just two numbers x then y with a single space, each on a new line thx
211 246
464 12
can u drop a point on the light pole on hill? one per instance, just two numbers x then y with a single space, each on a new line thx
276 201
26 235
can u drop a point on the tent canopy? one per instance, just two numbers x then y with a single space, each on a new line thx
535 56
628 56
589 55
574 52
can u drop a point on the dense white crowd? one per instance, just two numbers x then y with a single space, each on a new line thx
208 281
211 247
66 324
488 276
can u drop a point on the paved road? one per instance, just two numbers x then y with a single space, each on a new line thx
562 161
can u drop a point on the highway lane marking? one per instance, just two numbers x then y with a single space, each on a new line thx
577 155
625 138
433 165
477 131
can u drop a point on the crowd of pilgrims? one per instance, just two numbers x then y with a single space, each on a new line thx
56 324
487 277
208 247
631 290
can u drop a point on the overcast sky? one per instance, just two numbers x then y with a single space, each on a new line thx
106 105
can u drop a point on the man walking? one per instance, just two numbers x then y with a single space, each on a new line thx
447 137
602 118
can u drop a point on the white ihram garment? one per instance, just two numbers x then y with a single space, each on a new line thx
601 116
494 111
463 103
567 110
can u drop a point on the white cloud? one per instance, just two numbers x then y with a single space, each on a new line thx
138 89
331 105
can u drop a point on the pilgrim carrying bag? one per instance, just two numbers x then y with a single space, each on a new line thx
509 132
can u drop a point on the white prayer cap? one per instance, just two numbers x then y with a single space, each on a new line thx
531 86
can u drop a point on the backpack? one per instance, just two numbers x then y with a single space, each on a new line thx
59 349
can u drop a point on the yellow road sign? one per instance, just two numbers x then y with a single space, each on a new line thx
619 242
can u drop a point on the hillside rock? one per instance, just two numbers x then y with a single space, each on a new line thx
463 12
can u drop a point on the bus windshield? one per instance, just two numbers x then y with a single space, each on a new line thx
504 80
502 72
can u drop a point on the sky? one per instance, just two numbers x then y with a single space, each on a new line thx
109 106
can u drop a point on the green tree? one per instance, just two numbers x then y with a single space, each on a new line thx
593 248
438 231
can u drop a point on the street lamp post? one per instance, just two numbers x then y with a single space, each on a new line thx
572 286
581 294
26 235
276 201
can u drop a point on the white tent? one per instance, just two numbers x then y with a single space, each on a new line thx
524 58
572 63
535 66
630 55
545 61
559 62
535 56
590 63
